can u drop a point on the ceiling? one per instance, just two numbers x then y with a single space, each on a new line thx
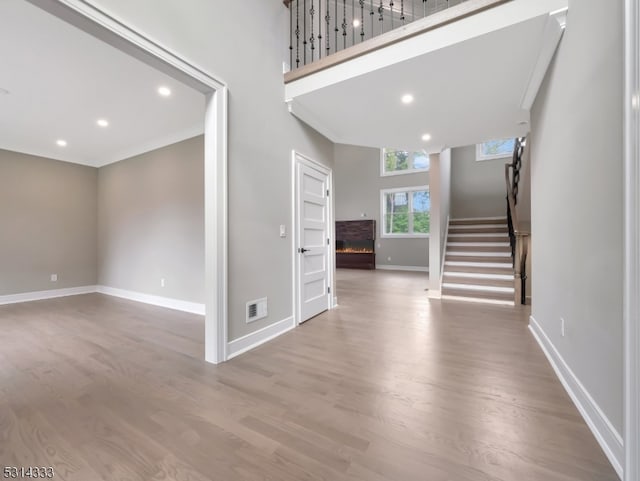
61 80
465 92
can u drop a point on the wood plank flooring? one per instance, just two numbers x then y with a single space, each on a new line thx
388 387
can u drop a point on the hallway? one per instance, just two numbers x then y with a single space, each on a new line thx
390 386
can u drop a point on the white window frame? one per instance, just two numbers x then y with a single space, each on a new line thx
408 190
384 173
480 156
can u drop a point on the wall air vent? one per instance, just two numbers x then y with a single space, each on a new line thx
256 310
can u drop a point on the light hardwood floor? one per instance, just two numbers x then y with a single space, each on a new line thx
388 387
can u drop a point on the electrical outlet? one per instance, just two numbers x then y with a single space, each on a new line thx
54 277
162 283
562 327
283 230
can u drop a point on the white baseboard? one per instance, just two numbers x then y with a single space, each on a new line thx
434 294
250 341
186 306
335 302
606 435
49 294
386 267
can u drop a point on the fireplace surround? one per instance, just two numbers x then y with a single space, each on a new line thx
355 244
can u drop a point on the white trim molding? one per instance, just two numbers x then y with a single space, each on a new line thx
631 285
48 294
388 267
125 38
256 338
167 302
606 435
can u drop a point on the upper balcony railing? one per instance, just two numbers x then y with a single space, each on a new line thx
319 28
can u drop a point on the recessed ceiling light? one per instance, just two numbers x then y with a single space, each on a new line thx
103 122
523 122
426 137
164 91
356 22
407 98
61 143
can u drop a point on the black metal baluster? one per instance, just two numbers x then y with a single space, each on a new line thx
304 32
312 38
424 8
327 18
402 11
353 18
344 24
335 24
362 20
320 29
371 14
297 33
290 36
391 12
381 18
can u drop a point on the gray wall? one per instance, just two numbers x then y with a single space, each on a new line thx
357 190
151 222
576 183
477 188
262 133
47 224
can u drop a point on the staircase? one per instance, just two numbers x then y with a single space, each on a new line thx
478 264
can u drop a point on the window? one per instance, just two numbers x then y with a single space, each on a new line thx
394 162
495 149
405 212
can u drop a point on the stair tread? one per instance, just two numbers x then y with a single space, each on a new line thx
478 259
449 279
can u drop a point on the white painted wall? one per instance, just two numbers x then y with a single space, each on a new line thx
576 208
246 53
440 203
477 188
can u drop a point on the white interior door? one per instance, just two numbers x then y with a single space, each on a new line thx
313 239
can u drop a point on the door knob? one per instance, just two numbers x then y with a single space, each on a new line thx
302 250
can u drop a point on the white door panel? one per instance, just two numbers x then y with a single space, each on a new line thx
313 235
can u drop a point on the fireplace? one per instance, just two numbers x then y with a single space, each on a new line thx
355 244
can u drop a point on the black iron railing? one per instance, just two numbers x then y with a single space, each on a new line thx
517 238
319 28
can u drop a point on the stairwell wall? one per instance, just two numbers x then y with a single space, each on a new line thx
577 212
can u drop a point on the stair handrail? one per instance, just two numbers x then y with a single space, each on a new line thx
518 238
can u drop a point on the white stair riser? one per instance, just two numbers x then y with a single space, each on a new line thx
479 234
479 288
466 219
478 299
478 254
478 264
477 244
477 275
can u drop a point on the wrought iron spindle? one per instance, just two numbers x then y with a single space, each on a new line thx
312 38
381 18
304 32
320 28
327 19
335 24
353 18
290 36
362 20
391 12
424 8
344 23
402 11
297 33
371 14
